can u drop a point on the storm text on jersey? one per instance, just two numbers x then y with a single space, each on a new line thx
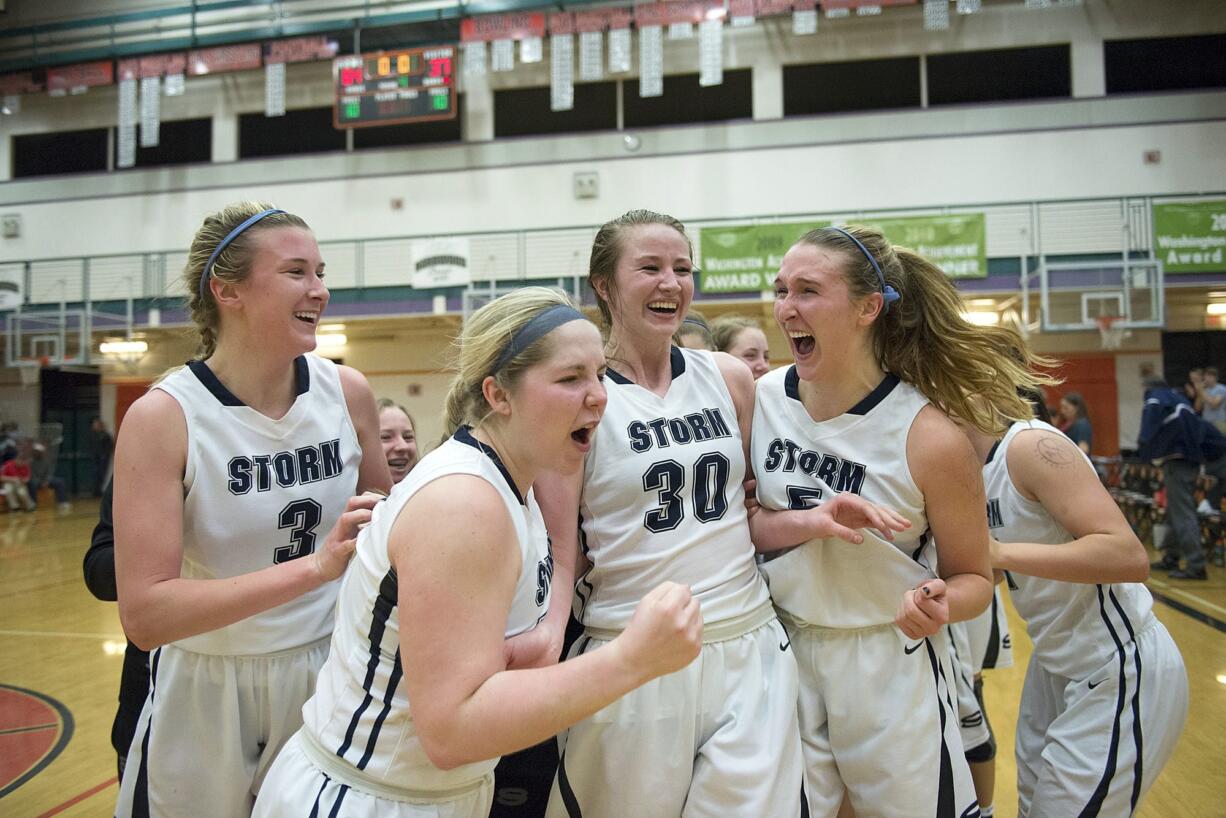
661 433
839 474
308 464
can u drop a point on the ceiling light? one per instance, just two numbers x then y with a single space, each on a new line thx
123 347
331 340
332 328
1216 308
982 319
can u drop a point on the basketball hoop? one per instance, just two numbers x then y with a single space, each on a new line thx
1111 330
31 369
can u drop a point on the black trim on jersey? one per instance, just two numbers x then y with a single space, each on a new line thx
319 795
945 782
392 682
919 549
992 654
1094 806
336 805
992 451
791 388
464 435
676 360
385 603
140 796
564 788
1136 701
210 381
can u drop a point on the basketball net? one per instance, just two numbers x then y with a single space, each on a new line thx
1111 330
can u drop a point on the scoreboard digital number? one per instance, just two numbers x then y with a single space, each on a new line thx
394 87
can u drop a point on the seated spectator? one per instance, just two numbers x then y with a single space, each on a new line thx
1211 399
42 473
1073 410
743 338
15 475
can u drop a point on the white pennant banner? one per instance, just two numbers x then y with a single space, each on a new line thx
561 72
651 61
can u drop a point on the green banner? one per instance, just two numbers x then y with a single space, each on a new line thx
746 258
957 244
1190 237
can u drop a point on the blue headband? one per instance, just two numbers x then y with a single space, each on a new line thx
540 325
208 266
889 294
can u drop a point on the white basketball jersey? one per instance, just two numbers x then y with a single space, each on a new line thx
258 492
360 711
798 462
662 499
1076 628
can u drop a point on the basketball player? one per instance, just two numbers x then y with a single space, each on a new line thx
233 515
398 436
882 358
1106 693
416 703
661 497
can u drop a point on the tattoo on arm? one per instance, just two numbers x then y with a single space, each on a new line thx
1053 453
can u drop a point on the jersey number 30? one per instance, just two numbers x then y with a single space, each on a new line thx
667 479
301 517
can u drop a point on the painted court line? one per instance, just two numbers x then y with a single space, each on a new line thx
66 635
79 798
1186 595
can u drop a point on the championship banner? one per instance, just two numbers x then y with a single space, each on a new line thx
746 258
489 27
1190 237
440 263
957 243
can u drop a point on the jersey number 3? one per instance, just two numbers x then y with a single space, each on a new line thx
301 517
667 479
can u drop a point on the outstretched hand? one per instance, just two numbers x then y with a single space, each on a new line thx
845 512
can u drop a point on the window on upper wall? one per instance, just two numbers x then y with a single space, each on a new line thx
525 111
1165 64
416 133
999 75
305 130
44 154
180 142
861 85
686 101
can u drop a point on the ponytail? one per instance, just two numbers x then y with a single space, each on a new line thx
969 372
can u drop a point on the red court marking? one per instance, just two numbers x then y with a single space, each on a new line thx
79 798
19 710
21 751
33 730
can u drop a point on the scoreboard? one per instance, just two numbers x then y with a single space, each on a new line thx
394 87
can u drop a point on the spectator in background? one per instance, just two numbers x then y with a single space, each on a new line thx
1073 411
1211 399
397 433
1173 436
103 445
42 473
695 332
8 441
1191 387
15 475
743 338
